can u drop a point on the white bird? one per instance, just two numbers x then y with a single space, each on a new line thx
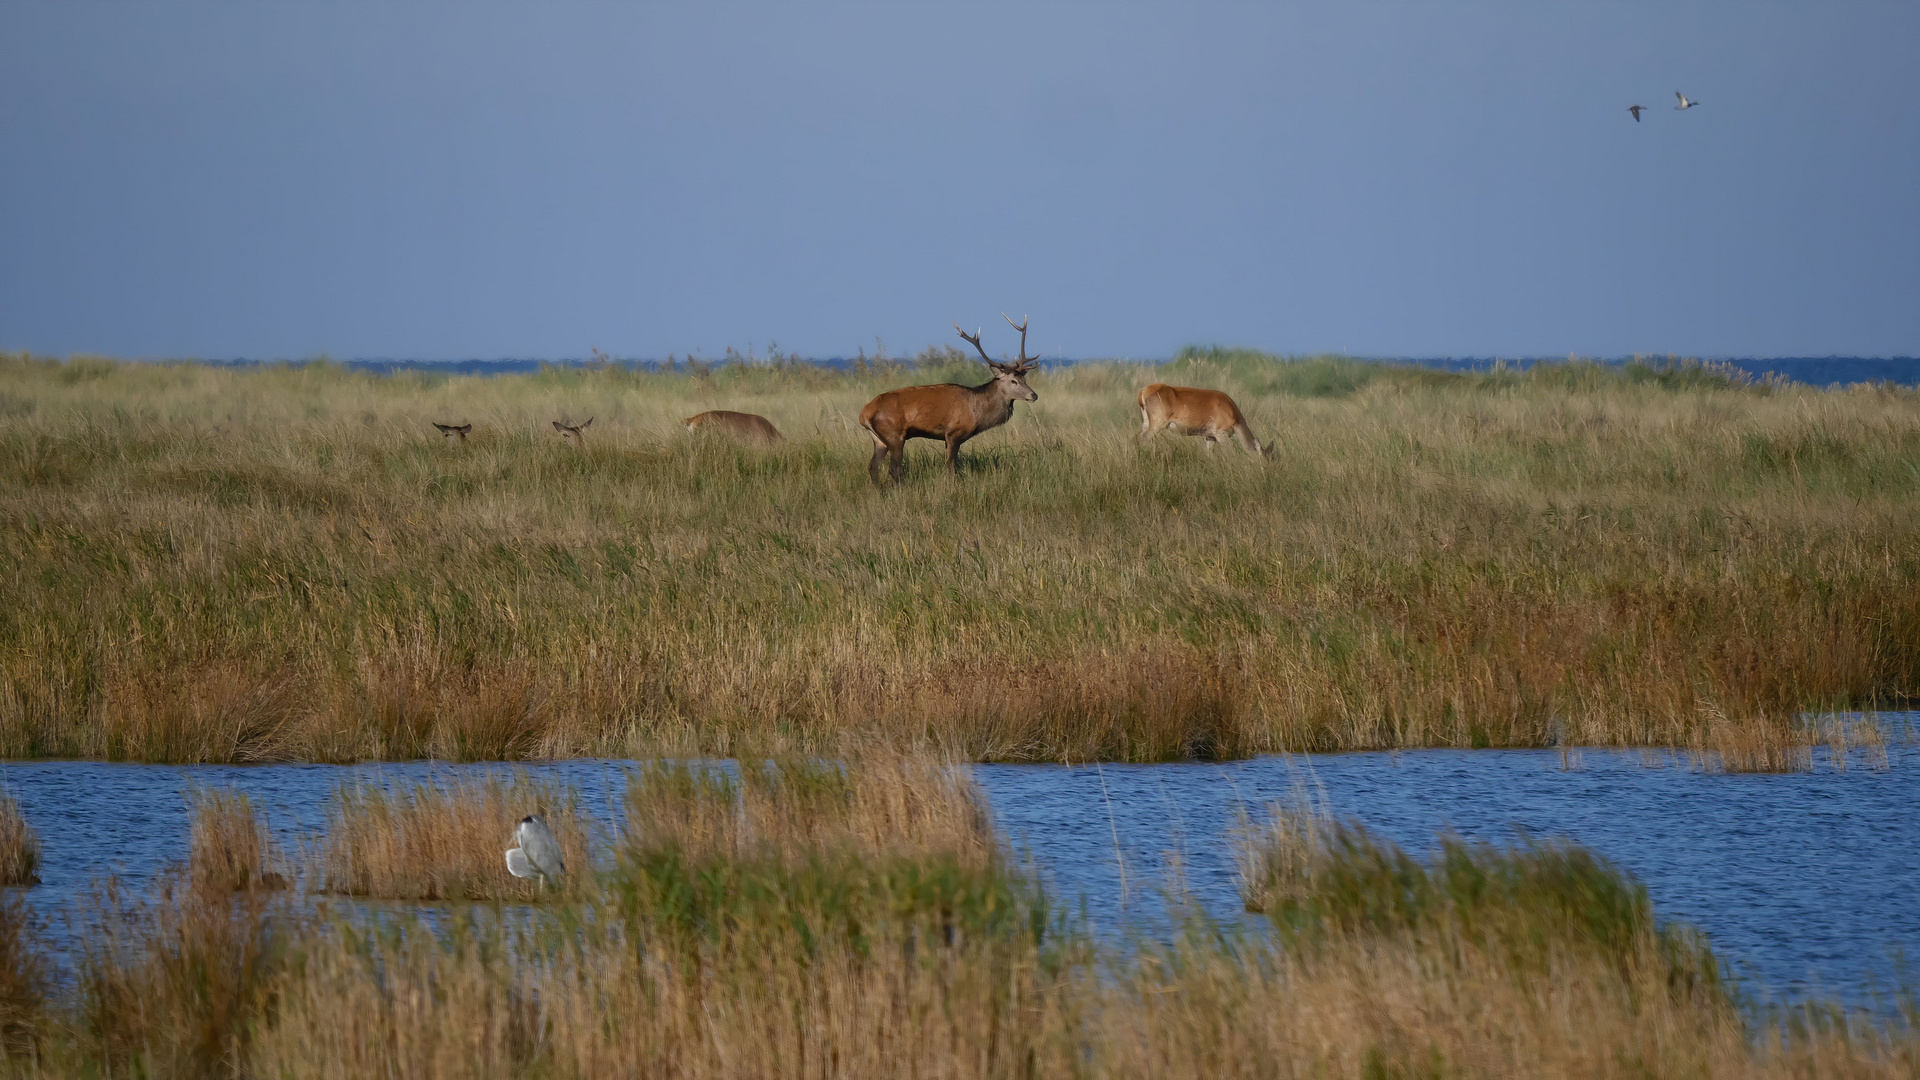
1684 103
538 853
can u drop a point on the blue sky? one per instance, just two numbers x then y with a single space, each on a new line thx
272 179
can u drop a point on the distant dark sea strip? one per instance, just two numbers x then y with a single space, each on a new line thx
1811 370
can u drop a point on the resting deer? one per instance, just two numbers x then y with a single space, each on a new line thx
1188 411
740 425
576 435
949 412
454 434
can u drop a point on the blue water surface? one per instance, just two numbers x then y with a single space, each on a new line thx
1806 882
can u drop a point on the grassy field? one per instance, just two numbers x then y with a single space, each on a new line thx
207 564
810 920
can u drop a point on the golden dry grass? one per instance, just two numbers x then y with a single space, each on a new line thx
444 839
175 983
879 804
19 845
230 849
291 564
855 920
26 983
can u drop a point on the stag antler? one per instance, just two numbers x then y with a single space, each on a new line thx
1026 362
975 342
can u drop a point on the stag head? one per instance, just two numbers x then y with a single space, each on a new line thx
1011 377
575 434
455 434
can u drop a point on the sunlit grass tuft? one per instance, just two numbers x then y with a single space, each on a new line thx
445 839
230 849
19 845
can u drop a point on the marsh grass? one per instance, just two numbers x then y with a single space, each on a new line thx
821 920
19 845
878 804
26 981
289 563
230 849
444 839
1319 880
176 983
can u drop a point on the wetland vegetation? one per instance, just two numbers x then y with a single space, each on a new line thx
858 919
207 564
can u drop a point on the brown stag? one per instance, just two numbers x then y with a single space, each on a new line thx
454 434
574 434
1189 411
740 425
950 412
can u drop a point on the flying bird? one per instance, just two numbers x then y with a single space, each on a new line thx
538 853
1684 103
1635 110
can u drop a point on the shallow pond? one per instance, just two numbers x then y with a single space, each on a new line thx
1806 882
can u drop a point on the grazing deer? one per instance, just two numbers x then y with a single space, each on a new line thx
949 411
1188 411
740 425
576 436
454 434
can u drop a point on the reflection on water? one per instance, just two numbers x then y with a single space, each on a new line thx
1806 882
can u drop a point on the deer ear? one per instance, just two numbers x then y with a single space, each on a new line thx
587 425
558 426
464 428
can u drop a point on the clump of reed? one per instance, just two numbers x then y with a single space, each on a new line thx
444 839
230 849
178 982
878 803
1539 959
794 918
19 845
1318 879
806 918
290 564
26 982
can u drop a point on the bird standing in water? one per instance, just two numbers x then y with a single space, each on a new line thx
538 853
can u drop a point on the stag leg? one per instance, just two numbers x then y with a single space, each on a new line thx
873 463
953 454
897 460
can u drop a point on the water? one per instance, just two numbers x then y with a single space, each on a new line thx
1805 882
1812 370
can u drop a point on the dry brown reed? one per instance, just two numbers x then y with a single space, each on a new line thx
878 804
445 839
177 983
26 983
1374 1009
220 565
818 921
230 849
19 845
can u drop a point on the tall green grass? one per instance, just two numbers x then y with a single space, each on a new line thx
207 564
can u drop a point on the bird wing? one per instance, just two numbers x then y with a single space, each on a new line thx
517 863
542 848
